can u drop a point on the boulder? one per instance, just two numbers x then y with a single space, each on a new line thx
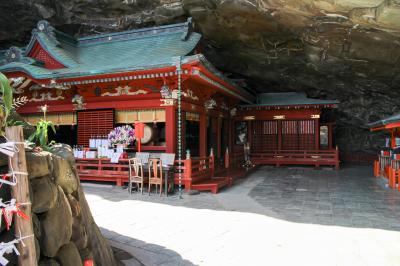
48 262
56 226
64 151
74 204
38 164
37 247
64 175
36 226
44 194
86 254
79 234
68 255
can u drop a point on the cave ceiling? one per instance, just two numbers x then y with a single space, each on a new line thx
339 49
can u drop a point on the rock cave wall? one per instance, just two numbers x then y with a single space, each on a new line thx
336 49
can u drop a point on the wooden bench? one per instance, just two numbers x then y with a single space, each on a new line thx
101 169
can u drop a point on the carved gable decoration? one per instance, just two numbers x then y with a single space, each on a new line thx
126 90
47 96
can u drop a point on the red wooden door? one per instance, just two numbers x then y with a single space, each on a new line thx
94 123
298 135
264 136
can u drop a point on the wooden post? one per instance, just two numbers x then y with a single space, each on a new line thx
20 193
219 142
211 163
317 129
188 173
279 135
226 157
203 135
170 129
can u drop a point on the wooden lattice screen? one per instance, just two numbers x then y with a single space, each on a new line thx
265 136
94 123
298 135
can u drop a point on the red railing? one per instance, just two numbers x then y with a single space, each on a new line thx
194 170
286 157
387 167
101 169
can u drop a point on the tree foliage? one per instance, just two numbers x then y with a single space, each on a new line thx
6 101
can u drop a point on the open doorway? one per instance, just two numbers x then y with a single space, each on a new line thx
64 134
192 137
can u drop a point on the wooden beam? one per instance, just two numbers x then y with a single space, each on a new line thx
20 193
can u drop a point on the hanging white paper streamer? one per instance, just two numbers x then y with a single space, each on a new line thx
9 247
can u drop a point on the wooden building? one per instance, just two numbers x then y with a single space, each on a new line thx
388 161
285 128
94 83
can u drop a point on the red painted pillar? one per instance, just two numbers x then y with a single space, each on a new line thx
317 134
279 135
250 133
219 144
392 139
170 129
230 135
203 135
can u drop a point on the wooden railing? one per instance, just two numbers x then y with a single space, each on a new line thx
384 161
194 170
101 169
286 157
387 167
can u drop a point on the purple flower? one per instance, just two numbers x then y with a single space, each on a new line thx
122 135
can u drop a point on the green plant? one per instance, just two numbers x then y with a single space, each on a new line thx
6 101
41 135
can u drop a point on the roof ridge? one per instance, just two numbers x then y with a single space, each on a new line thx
184 27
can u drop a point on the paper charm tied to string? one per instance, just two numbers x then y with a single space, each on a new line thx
5 177
8 211
9 247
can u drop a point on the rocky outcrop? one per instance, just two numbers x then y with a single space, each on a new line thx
64 229
345 50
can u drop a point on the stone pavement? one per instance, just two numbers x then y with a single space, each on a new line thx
276 216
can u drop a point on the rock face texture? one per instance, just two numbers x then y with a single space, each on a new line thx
64 229
340 49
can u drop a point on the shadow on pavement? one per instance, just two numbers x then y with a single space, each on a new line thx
134 252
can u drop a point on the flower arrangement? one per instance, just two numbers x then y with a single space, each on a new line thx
124 135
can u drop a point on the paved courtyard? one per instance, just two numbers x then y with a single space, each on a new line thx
276 216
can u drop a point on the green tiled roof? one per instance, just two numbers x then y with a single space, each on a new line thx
287 99
388 120
107 53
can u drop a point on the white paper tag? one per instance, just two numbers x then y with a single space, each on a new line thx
115 157
92 143
120 149
104 142
98 143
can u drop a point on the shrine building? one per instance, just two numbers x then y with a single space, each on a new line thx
92 84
